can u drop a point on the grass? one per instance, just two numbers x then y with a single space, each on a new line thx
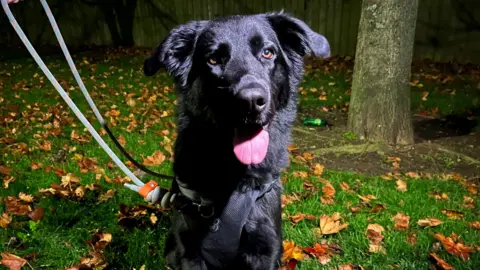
61 238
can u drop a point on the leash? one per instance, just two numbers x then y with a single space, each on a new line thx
151 191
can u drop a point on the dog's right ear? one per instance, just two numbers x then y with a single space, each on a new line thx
175 52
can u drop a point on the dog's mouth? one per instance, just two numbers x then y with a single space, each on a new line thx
250 143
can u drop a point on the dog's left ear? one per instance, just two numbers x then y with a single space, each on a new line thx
295 35
175 52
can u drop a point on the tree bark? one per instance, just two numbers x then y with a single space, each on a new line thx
380 102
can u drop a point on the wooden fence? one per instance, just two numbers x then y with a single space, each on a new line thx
446 29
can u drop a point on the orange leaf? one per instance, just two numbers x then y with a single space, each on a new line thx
308 155
287 199
291 251
377 248
107 195
401 221
401 185
330 225
374 233
12 262
468 202
16 207
5 219
24 197
378 208
452 213
457 249
301 216
317 169
317 249
344 186
299 174
5 170
36 214
121 140
328 193
475 225
439 262
156 158
412 238
429 222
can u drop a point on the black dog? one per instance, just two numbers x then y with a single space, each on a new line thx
237 80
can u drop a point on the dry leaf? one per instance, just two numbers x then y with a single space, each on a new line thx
12 262
429 222
412 238
301 216
45 146
287 199
5 170
153 218
5 220
323 260
299 174
16 207
439 262
80 192
317 169
468 202
308 156
378 208
121 140
107 195
328 193
156 158
36 214
453 246
475 225
330 225
70 180
367 198
349 266
374 233
24 197
401 221
377 248
291 251
452 213
439 196
401 185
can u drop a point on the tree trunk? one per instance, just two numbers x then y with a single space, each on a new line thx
380 102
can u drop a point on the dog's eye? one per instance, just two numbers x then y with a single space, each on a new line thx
267 54
212 60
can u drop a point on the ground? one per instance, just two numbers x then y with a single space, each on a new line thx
348 204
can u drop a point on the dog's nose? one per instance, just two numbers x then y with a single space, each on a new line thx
252 100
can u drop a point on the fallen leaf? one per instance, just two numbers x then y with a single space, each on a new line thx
317 249
330 225
12 262
16 207
475 225
291 147
36 214
412 238
301 216
5 219
401 221
377 248
374 233
401 185
328 193
121 140
425 95
439 262
107 195
472 189
288 199
323 260
439 196
468 202
70 180
299 174
377 208
35 166
317 169
291 251
308 156
452 213
367 198
457 249
349 266
153 218
5 170
80 192
429 222
24 197
344 186
45 146
413 175
7 180
156 158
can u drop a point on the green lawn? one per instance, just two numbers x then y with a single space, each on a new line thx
36 125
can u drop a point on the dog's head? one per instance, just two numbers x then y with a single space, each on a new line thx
239 71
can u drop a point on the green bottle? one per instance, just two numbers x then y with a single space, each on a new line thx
314 122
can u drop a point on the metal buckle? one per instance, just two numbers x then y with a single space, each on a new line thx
199 209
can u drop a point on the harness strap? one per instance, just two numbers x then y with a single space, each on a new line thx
220 246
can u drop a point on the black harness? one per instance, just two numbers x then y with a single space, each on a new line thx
220 245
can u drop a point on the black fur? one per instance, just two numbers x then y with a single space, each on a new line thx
208 115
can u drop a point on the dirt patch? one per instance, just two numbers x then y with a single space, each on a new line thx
442 146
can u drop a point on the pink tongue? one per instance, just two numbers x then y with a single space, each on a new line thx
251 148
